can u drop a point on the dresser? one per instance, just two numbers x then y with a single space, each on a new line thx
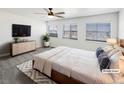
22 47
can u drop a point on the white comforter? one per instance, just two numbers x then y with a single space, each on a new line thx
79 64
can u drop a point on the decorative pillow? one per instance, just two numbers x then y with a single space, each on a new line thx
103 54
120 48
115 65
115 60
112 52
107 49
99 51
104 61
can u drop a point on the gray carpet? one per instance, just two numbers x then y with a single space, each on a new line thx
9 74
35 75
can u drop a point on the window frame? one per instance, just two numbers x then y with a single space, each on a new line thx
69 31
98 31
54 34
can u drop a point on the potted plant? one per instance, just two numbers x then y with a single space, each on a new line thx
16 39
46 40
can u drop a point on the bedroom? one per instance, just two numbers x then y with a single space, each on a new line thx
70 36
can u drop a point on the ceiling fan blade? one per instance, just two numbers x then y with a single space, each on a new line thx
40 13
46 10
60 13
59 16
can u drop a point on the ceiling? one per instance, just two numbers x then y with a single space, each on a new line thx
69 12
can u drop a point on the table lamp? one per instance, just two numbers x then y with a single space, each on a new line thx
112 42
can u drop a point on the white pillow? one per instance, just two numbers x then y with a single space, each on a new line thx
107 49
112 52
120 48
115 60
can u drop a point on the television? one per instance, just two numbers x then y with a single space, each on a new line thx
21 30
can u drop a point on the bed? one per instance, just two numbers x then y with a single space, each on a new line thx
71 66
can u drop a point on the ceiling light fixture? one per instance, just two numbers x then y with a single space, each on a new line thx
50 16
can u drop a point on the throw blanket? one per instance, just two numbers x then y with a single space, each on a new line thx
41 60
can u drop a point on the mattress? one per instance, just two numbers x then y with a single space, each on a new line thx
79 64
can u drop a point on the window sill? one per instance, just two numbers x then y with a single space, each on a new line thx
95 40
74 38
70 38
54 36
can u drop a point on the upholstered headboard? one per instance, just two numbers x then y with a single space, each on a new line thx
122 43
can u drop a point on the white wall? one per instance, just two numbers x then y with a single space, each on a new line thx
81 22
39 28
6 20
121 24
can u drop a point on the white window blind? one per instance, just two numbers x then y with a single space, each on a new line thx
52 31
70 31
98 31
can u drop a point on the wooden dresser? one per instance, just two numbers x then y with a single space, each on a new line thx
22 47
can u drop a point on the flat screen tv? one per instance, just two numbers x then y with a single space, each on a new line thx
21 30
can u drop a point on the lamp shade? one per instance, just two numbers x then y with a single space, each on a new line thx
111 41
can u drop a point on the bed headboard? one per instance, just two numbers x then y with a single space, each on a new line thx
122 43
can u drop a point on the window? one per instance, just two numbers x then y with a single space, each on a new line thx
98 31
70 31
52 31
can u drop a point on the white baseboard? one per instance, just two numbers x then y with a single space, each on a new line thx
5 54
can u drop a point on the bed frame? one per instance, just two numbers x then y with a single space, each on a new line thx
61 78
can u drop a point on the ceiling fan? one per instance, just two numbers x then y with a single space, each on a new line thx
51 14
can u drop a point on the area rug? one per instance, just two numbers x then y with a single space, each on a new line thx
35 75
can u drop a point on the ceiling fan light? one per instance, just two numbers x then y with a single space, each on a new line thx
50 16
